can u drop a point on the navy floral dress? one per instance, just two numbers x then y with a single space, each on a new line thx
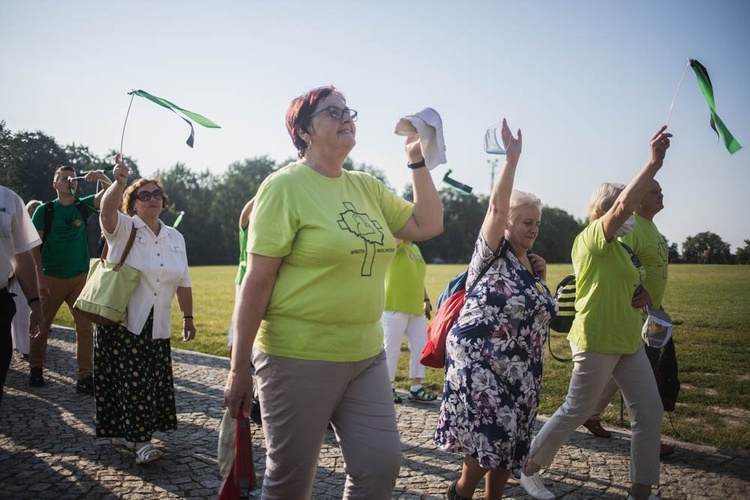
494 361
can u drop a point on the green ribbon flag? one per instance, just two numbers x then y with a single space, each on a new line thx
704 82
201 120
456 185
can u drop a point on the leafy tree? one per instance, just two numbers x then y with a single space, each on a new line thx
29 159
193 193
694 247
743 253
674 253
556 235
462 218
231 192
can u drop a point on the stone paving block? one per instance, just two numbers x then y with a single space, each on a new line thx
48 448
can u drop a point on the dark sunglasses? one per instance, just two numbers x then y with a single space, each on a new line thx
158 194
337 113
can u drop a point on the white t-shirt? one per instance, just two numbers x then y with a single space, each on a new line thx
17 232
163 263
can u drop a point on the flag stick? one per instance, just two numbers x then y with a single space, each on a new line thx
122 138
677 91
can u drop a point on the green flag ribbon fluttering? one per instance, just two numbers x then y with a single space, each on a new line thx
704 82
188 115
456 185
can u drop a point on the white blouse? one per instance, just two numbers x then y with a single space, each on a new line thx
162 261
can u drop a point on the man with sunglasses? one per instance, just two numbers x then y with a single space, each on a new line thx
65 265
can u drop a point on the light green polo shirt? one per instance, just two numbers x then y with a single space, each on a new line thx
404 281
651 248
335 238
606 279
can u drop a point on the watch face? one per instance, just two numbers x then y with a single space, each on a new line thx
77 223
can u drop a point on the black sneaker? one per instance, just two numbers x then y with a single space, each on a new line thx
85 385
35 378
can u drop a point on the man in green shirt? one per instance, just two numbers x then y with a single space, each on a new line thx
65 265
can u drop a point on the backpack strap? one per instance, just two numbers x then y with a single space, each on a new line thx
49 214
498 254
84 211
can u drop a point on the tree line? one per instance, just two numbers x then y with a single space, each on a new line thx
212 202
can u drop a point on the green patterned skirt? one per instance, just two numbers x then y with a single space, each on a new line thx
133 383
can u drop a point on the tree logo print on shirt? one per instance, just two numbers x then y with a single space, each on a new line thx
363 227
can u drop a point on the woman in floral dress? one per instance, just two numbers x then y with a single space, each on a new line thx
494 358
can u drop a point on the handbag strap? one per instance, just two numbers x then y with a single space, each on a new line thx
128 246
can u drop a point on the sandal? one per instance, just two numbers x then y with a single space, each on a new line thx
422 396
147 453
124 443
396 398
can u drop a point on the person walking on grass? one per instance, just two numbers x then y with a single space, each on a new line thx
407 307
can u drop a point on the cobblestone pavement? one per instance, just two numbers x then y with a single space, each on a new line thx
48 448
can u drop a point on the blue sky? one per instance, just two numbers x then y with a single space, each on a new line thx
588 82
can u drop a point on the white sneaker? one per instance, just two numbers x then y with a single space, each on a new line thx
534 486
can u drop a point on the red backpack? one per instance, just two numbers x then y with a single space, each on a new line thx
433 354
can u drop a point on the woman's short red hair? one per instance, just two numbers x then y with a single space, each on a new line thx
298 114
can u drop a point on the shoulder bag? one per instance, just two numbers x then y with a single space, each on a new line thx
109 286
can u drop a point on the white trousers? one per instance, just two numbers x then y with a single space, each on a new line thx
396 324
591 374
21 321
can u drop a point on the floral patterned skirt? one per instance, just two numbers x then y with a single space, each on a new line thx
490 399
133 383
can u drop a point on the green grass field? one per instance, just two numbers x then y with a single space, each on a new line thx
710 305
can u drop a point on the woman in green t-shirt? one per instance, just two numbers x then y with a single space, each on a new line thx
605 336
319 243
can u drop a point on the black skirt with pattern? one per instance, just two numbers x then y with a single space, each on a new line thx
133 383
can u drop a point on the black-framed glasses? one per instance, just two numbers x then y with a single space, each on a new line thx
337 113
157 194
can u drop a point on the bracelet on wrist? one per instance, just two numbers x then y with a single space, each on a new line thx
33 299
187 317
418 164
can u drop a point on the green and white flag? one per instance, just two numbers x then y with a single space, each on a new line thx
704 82
181 112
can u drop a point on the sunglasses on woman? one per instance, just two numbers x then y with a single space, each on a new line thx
157 194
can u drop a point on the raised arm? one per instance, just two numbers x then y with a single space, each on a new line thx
496 219
110 201
630 197
255 294
98 176
427 220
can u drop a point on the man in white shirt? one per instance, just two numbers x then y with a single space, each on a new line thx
18 240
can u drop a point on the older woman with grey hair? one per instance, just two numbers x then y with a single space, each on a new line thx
605 336
494 351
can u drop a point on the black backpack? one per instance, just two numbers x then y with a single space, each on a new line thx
565 296
49 213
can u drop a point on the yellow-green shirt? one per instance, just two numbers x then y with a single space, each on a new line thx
404 281
651 248
335 238
606 279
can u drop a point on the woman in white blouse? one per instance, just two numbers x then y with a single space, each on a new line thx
132 361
